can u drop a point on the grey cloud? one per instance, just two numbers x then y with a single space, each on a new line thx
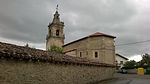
27 20
99 17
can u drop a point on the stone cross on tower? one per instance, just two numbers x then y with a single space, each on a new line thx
55 36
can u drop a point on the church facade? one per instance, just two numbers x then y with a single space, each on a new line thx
97 46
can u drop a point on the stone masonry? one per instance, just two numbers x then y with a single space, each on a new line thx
55 35
98 43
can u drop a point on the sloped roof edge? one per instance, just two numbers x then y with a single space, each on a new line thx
122 56
92 35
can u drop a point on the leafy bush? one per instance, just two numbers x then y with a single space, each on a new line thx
56 49
130 64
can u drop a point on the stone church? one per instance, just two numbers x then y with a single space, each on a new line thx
97 46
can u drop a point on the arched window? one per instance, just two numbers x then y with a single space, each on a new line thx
96 54
57 32
50 32
80 54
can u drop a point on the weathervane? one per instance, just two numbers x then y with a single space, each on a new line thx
57 7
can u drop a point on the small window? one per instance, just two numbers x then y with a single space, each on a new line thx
80 54
121 62
116 62
86 52
96 54
50 32
57 32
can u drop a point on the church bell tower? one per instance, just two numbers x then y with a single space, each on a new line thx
55 36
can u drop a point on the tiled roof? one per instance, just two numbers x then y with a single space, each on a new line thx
101 34
92 35
11 51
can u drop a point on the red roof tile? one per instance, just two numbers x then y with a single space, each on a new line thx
101 34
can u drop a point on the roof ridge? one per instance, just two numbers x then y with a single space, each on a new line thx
92 35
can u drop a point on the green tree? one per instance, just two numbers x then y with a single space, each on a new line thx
130 64
145 60
56 49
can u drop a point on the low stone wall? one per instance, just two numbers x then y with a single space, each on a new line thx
19 72
20 65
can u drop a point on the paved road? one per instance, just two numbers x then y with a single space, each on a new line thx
128 79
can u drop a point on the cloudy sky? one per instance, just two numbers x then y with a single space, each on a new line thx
26 21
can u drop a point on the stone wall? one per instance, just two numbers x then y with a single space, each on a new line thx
54 41
21 65
19 72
